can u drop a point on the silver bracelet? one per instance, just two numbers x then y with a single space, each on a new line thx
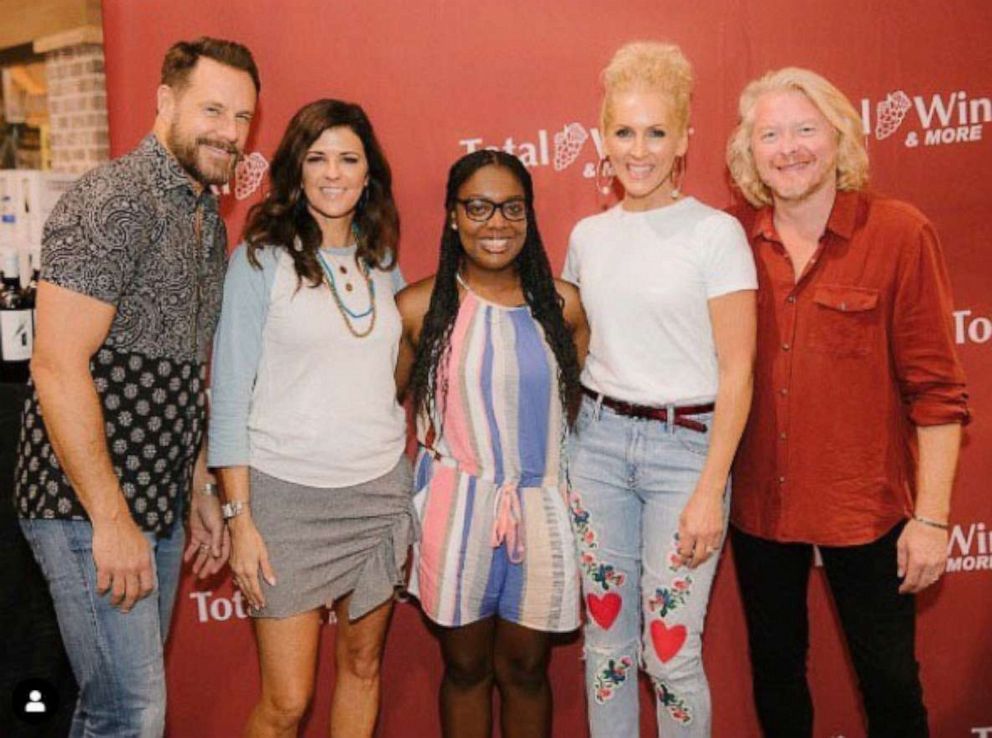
209 489
233 509
931 523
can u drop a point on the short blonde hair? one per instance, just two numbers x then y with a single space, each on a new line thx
852 157
653 66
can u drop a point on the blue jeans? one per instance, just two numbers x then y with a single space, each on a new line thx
116 657
630 480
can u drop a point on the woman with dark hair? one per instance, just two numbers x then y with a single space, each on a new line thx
305 429
491 351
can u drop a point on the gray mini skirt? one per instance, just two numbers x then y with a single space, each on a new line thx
326 542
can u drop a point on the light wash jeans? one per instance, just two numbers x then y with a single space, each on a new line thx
116 657
630 480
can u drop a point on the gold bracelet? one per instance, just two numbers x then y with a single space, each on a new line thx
931 523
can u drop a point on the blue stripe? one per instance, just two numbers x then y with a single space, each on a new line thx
511 599
534 395
492 598
424 468
487 396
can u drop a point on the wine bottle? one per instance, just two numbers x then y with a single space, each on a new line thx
31 289
16 340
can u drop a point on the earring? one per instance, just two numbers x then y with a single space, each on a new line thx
604 176
454 226
677 175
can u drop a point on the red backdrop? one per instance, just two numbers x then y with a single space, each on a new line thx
440 76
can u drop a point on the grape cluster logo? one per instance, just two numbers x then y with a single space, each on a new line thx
939 119
248 174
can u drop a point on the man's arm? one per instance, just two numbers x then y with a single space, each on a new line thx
932 383
71 328
922 547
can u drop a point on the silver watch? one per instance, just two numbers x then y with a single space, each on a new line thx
233 509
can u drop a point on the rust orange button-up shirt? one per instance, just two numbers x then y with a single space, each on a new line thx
851 357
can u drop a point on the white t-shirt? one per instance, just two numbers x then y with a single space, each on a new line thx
645 279
295 394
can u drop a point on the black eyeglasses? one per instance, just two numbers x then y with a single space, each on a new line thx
480 209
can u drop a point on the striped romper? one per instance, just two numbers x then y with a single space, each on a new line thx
490 488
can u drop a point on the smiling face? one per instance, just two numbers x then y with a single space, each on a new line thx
335 171
643 139
495 243
207 120
794 147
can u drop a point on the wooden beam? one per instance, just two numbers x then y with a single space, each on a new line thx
31 19
72 37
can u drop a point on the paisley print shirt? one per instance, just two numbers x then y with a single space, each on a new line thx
135 234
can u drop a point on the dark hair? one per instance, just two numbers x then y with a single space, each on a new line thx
536 282
283 216
182 57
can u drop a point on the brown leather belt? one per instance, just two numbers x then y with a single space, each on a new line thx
646 412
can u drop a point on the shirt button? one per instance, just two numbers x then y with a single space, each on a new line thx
790 298
785 347
782 435
781 480
784 391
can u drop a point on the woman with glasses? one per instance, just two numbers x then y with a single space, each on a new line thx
668 284
491 349
305 427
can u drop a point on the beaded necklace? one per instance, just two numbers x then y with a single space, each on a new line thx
347 314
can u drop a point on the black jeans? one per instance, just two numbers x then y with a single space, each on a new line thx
879 625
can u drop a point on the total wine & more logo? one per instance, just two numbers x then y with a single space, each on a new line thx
559 149
934 120
969 548
970 327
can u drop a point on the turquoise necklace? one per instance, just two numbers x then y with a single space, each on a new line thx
347 314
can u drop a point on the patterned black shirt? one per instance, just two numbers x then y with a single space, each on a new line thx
136 235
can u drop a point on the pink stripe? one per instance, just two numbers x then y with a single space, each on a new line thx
441 499
456 420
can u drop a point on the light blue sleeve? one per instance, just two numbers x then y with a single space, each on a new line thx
397 278
237 350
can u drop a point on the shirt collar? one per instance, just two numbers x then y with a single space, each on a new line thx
842 221
175 176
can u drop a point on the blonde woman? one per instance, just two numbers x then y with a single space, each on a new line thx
668 284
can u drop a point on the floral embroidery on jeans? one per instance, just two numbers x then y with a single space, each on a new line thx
605 575
611 677
584 533
674 560
675 705
667 599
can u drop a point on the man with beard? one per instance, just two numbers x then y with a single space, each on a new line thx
859 398
132 266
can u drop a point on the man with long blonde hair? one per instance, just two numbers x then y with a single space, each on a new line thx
859 400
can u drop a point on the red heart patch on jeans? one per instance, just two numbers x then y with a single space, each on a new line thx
667 641
604 610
